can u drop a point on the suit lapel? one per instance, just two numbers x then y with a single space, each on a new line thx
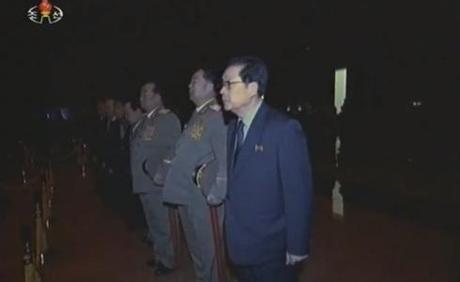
253 137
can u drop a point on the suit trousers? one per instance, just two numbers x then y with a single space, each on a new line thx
196 221
276 271
157 218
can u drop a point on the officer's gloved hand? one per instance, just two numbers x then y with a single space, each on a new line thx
212 200
158 179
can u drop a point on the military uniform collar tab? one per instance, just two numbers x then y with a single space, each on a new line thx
151 113
154 111
208 104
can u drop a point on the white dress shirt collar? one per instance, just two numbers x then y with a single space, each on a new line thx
249 117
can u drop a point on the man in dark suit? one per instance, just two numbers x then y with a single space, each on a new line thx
97 130
113 137
112 154
269 197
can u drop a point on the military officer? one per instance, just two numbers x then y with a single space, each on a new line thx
197 174
152 139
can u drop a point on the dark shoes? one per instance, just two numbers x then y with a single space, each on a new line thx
152 263
145 238
160 269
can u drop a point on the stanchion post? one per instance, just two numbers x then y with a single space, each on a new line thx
82 159
30 271
41 243
45 205
340 91
50 174
24 176
218 245
38 236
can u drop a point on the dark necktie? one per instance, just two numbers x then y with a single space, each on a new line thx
239 139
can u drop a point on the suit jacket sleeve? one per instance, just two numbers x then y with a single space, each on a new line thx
168 131
296 180
163 168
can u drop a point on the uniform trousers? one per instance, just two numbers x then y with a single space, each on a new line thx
157 219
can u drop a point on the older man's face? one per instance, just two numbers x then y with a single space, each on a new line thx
110 108
148 98
199 87
132 116
235 93
101 108
119 110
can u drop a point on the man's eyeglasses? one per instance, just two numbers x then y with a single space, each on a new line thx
228 84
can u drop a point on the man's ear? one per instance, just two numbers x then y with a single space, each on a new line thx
253 88
210 87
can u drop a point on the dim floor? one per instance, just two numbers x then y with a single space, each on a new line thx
90 243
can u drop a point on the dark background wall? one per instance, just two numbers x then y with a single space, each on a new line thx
397 53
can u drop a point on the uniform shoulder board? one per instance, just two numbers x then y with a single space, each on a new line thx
215 107
164 111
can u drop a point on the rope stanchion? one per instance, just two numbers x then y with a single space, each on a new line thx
37 175
83 171
50 175
45 205
218 245
82 159
31 273
27 163
27 173
24 176
33 169
41 243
